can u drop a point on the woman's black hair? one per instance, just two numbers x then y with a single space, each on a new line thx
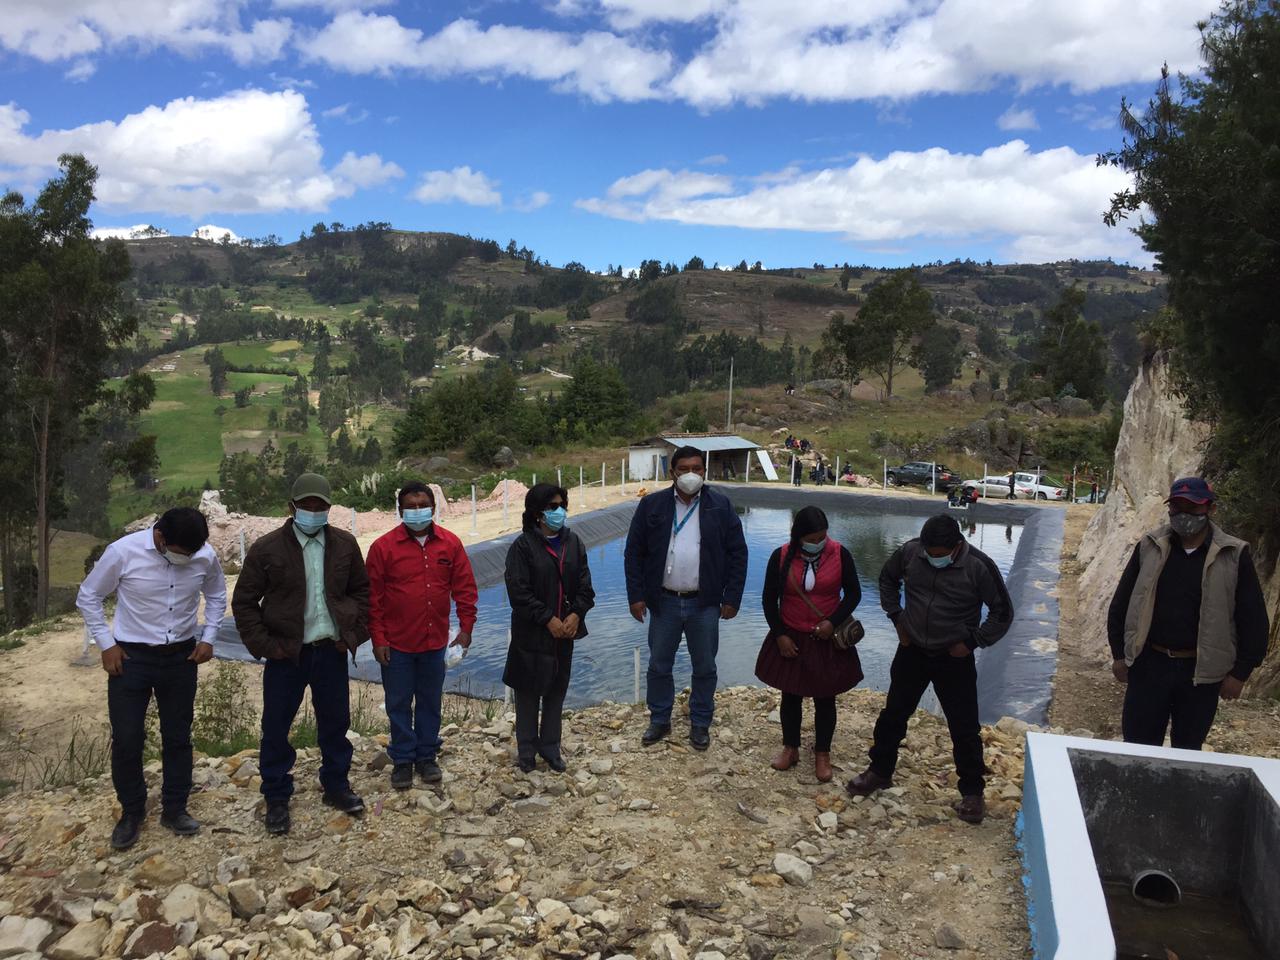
414 486
536 500
184 527
808 520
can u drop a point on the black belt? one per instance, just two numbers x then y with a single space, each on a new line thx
1173 654
178 646
682 594
321 644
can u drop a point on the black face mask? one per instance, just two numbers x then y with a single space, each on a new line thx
1188 524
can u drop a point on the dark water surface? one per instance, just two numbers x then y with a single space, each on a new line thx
603 667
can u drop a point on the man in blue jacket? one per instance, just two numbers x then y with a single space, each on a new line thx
686 564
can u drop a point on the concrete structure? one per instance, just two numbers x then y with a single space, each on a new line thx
727 456
1098 814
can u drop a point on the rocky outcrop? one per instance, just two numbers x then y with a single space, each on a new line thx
1157 445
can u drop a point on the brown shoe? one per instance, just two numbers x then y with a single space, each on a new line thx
971 809
787 758
867 783
822 766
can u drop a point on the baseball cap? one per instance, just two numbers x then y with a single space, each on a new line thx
311 485
1195 489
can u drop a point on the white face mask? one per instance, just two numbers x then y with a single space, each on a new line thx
689 483
177 559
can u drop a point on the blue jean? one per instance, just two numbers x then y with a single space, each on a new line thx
412 684
700 626
324 670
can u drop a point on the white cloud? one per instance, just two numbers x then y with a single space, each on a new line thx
597 65
80 71
713 160
534 201
333 6
459 185
136 232
1038 206
344 113
898 49
52 30
1089 116
245 152
1018 118
212 232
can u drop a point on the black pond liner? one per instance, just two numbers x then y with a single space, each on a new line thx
1015 677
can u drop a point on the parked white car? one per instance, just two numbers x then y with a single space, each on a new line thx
1026 486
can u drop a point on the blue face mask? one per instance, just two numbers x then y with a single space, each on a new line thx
554 519
310 521
417 518
813 549
941 563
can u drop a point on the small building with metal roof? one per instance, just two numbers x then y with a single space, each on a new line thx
729 457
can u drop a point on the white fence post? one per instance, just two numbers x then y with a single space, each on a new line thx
504 503
579 480
559 478
622 485
747 476
602 482
636 676
884 476
242 547
535 481
473 509
353 514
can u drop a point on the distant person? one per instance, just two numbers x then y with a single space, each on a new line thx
415 572
302 604
686 565
153 647
847 473
1188 623
797 472
549 588
947 581
819 471
1013 476
810 588
1093 492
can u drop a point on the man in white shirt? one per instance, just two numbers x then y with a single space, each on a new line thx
686 567
154 646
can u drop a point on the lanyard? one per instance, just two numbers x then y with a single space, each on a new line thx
677 527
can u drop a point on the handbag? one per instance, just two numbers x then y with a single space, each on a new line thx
847 635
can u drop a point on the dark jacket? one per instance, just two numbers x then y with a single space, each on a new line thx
269 601
536 661
944 606
722 567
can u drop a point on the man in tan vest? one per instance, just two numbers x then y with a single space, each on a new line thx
1187 624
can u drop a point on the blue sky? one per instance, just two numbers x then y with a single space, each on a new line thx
606 131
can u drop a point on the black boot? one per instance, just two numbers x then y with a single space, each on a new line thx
126 831
655 732
277 818
402 776
180 822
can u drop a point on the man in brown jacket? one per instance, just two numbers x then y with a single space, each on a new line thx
302 603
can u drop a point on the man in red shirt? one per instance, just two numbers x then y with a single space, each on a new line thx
414 571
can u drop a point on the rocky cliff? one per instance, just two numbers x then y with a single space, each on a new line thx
1157 445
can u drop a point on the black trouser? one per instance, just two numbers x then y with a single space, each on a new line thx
824 721
323 668
955 681
1163 688
165 672
532 737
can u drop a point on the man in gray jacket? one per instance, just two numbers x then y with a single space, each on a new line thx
947 583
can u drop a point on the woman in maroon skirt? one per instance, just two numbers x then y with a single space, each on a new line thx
810 588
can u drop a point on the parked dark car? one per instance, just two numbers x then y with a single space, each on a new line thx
922 473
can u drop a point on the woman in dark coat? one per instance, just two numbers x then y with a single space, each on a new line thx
549 588
810 588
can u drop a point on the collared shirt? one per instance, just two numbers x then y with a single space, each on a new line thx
157 602
317 624
684 554
411 586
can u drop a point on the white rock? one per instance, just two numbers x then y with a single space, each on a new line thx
792 869
514 844
82 942
667 946
232 868
315 920
601 767
553 912
828 820
246 898
23 935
